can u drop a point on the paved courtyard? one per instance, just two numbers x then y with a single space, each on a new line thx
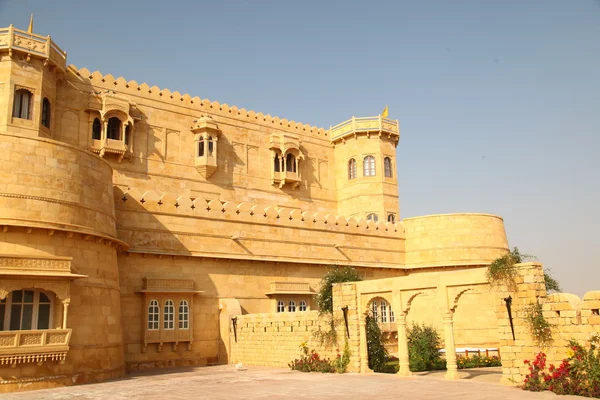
223 382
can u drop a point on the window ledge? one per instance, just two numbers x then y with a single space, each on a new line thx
34 346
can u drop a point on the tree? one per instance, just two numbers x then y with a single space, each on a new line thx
324 297
552 284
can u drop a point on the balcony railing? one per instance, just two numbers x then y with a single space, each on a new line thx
32 44
34 346
364 124
289 288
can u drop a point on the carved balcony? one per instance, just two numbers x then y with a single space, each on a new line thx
16 40
206 135
34 346
365 126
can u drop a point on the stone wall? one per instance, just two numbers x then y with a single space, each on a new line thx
274 339
55 185
570 316
454 239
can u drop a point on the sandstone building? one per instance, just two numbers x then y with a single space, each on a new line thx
133 219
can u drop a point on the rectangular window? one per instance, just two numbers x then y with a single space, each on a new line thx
43 316
15 317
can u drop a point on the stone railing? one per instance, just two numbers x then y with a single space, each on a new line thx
354 125
34 346
32 44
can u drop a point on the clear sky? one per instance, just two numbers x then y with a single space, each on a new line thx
498 101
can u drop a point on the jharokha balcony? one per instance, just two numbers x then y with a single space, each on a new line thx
16 40
34 346
353 127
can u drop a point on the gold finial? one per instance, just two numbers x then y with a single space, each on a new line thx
30 29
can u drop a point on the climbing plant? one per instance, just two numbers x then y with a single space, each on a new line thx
539 327
503 271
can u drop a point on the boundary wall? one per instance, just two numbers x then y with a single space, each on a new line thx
274 339
571 317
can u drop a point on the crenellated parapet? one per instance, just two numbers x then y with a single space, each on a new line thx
164 95
171 224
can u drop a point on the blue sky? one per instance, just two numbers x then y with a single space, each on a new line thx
498 101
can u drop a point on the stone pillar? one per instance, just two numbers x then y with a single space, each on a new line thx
404 369
364 352
215 146
284 161
65 311
105 132
451 367
124 131
206 149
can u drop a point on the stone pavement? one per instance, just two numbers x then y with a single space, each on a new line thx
223 382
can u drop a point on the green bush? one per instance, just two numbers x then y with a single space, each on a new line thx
324 297
423 347
377 353
539 327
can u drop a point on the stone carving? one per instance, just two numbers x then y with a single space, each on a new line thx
30 339
38 264
7 341
151 283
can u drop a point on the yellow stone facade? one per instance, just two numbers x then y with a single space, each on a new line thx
115 194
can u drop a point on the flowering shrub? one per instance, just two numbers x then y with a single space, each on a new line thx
477 361
310 361
342 360
579 374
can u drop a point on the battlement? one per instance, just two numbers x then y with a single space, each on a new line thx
168 224
164 95
184 205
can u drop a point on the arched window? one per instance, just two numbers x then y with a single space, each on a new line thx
391 218
352 168
383 311
153 315
392 316
168 315
46 112
280 306
22 105
372 217
26 310
302 305
200 147
96 129
292 306
290 163
184 313
387 167
369 166
276 166
374 310
114 128
210 146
